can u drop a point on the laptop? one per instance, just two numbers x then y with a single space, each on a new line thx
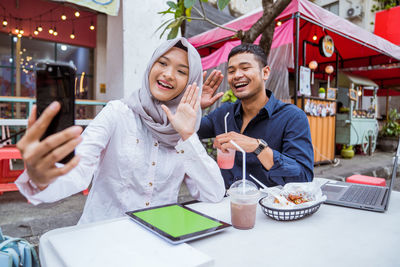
360 196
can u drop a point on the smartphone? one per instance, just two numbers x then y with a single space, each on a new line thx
56 82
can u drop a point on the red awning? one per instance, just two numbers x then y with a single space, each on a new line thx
384 26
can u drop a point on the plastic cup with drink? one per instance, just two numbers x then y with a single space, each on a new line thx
226 160
244 198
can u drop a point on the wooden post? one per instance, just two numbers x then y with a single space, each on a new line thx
387 104
369 145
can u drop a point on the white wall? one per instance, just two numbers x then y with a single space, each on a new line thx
125 43
364 21
394 102
100 59
140 21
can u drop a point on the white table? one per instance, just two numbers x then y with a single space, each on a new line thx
333 236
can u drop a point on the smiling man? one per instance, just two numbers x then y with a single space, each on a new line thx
275 135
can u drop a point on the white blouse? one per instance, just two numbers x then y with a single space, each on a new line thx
130 169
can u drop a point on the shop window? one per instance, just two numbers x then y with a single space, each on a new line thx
32 51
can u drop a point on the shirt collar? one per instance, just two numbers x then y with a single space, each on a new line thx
269 107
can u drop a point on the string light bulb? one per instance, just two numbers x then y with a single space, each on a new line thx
40 28
19 35
63 17
5 22
77 14
36 32
279 23
315 37
91 26
72 36
21 31
16 30
51 31
55 33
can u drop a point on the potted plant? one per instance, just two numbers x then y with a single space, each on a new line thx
389 135
321 92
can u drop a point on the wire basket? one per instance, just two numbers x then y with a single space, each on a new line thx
289 215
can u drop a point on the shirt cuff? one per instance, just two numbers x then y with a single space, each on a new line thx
191 147
27 187
277 160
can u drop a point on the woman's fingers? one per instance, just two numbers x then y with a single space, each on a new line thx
59 153
38 128
46 146
191 93
55 172
185 94
167 111
32 116
195 97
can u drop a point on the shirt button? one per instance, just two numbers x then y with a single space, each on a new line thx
177 152
147 203
182 151
150 184
153 163
155 144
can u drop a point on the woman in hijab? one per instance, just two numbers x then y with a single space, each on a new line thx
137 150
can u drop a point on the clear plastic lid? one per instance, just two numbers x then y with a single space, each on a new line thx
244 189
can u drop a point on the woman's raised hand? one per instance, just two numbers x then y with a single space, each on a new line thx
184 119
40 156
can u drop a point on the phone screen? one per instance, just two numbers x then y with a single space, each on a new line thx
56 82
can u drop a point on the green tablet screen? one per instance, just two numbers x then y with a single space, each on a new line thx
176 221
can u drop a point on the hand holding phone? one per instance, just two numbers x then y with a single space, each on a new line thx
55 82
40 156
50 136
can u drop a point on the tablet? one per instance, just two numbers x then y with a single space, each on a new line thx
176 223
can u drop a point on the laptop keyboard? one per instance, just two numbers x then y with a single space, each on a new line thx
362 194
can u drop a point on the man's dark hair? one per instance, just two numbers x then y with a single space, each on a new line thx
256 50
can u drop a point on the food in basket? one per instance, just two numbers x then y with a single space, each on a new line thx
296 198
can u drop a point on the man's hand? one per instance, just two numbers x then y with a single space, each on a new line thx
210 86
184 119
40 156
248 144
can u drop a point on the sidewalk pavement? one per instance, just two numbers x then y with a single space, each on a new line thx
21 219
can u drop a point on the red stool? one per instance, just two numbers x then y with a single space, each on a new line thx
8 188
363 179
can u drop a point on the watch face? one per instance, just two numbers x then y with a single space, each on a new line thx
263 143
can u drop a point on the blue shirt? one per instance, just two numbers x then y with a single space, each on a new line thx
283 126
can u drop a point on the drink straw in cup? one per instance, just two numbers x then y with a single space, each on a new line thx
261 184
244 163
226 127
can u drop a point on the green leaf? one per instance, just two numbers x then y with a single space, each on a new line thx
166 28
176 23
188 12
173 33
166 12
189 3
165 22
222 4
172 5
205 1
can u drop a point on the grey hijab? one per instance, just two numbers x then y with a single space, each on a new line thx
149 109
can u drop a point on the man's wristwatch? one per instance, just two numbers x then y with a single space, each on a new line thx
261 146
